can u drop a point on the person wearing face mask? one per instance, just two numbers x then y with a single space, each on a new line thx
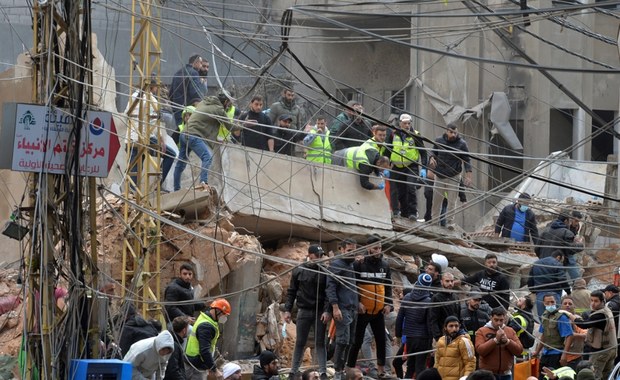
307 287
343 298
149 356
517 221
202 339
557 336
374 282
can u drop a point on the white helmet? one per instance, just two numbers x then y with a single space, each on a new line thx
441 260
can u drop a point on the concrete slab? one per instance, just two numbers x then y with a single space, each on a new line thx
279 190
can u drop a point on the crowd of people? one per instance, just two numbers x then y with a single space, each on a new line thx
441 333
346 298
395 153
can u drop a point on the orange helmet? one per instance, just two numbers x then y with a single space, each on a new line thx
222 305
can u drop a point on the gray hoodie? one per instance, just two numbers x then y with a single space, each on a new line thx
145 359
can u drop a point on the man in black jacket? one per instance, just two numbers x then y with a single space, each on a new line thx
558 236
257 129
343 298
307 287
285 136
175 370
446 304
180 290
448 159
491 282
352 130
267 368
472 316
135 328
374 284
612 301
517 221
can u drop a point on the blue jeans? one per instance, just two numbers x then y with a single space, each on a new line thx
503 377
572 268
306 318
540 307
197 145
167 156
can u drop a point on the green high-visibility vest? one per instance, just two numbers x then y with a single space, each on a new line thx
404 153
320 150
355 156
193 346
223 134
371 143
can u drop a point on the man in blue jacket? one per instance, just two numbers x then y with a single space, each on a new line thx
548 276
413 323
186 88
517 221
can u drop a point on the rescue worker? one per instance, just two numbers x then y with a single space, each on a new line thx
202 339
377 141
522 322
228 135
186 114
318 143
366 161
406 158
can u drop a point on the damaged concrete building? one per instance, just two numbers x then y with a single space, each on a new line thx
266 208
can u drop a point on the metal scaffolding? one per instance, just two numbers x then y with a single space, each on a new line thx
141 251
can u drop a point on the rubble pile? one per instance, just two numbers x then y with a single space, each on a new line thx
601 266
11 313
211 249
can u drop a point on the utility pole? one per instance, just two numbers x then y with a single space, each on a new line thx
62 77
141 250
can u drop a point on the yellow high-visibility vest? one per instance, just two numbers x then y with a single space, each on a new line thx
320 150
404 153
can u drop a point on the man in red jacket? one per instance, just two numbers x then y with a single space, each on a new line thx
497 345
